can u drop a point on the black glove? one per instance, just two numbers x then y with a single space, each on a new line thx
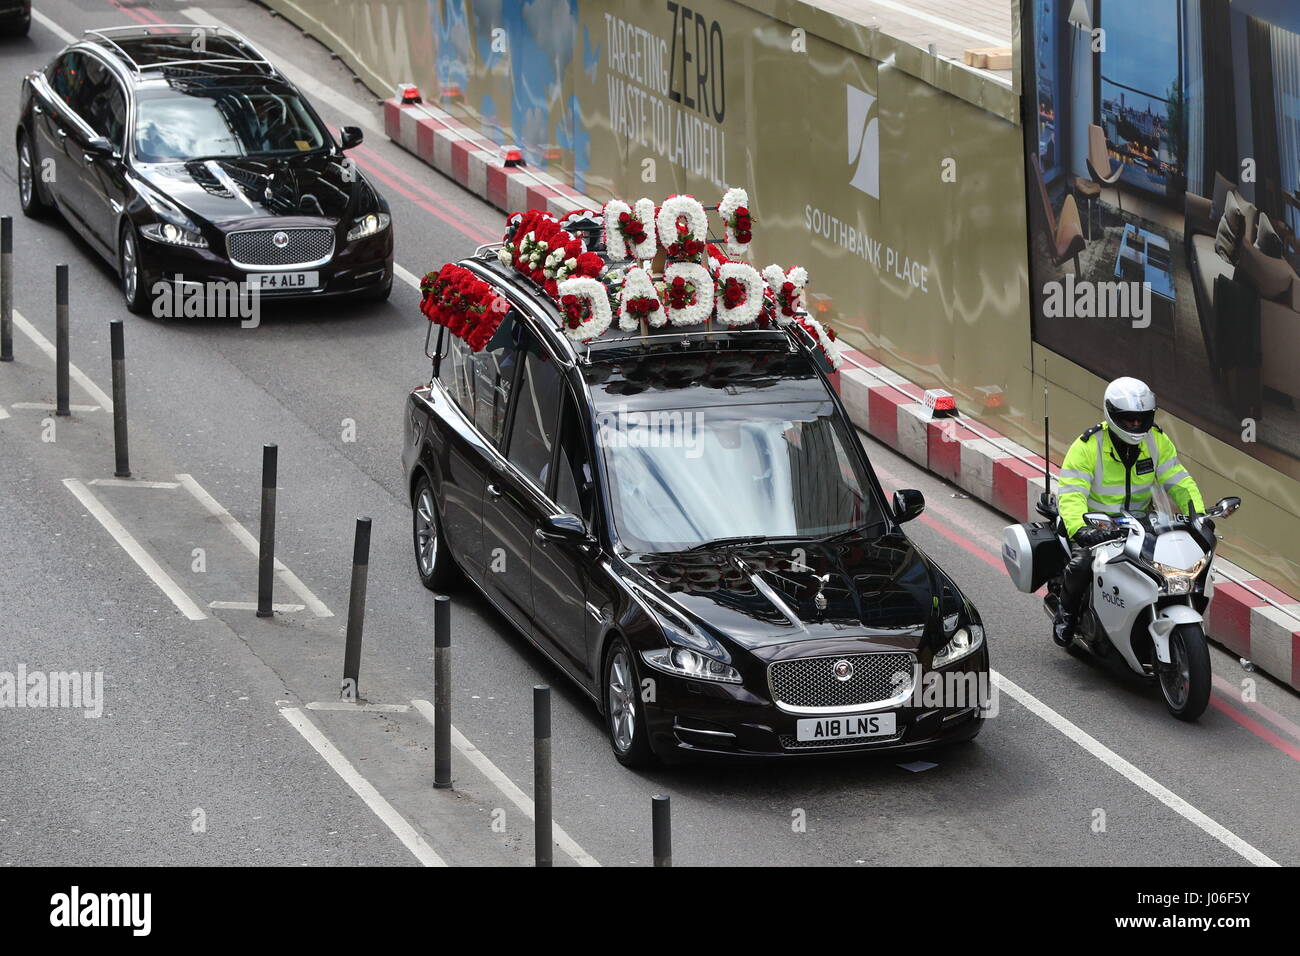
1091 537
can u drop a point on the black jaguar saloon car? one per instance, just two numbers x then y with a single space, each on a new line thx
194 163
687 526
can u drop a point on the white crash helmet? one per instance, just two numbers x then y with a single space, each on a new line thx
1130 409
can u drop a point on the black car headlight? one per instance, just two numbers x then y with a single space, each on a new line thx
685 662
175 235
964 642
368 225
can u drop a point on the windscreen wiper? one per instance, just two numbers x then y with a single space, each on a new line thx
735 542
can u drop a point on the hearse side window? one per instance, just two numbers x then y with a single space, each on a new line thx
537 419
456 372
66 75
573 479
494 374
101 102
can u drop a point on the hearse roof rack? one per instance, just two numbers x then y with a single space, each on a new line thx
108 36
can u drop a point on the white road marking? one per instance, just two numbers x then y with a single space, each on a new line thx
49 407
507 787
245 537
3 413
46 346
1130 772
406 276
343 705
300 77
53 27
132 547
133 483
252 606
363 788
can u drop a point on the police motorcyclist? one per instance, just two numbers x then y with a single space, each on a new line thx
1112 468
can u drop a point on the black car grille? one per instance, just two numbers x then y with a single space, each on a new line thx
811 682
257 247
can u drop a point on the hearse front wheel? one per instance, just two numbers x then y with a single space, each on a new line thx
624 711
433 561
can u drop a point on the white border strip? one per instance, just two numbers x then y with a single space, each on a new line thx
507 787
1131 773
245 537
132 547
363 788
46 346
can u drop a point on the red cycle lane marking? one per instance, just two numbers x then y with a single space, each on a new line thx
462 228
1220 702
140 15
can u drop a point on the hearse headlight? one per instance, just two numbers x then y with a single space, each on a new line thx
368 225
966 641
685 662
174 235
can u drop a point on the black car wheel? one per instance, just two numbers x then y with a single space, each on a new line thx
30 196
17 28
128 256
624 712
433 560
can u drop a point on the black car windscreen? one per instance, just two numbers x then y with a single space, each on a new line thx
203 121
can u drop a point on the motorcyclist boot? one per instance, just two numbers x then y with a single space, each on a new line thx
1063 627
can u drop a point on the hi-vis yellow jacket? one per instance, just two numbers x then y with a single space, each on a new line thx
1093 478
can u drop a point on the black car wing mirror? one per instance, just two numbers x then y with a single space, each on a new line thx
563 527
350 136
908 503
100 146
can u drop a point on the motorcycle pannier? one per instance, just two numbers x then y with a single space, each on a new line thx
1032 554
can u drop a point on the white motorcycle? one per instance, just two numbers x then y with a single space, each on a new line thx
1151 588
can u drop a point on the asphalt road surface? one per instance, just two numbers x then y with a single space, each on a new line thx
208 750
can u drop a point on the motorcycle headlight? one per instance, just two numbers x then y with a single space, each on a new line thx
368 225
966 641
1179 580
175 235
684 662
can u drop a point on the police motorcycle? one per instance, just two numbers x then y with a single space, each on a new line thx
1151 588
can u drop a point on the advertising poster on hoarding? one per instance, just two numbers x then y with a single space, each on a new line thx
1163 180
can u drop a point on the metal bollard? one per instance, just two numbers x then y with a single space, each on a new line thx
117 349
661 823
542 776
6 289
61 338
442 692
356 608
266 540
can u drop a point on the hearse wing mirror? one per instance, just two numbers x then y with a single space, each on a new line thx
350 136
100 147
563 527
908 503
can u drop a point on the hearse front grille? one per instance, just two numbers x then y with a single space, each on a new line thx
810 682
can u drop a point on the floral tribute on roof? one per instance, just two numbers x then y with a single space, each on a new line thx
657 268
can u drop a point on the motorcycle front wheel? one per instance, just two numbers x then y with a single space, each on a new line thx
1185 684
